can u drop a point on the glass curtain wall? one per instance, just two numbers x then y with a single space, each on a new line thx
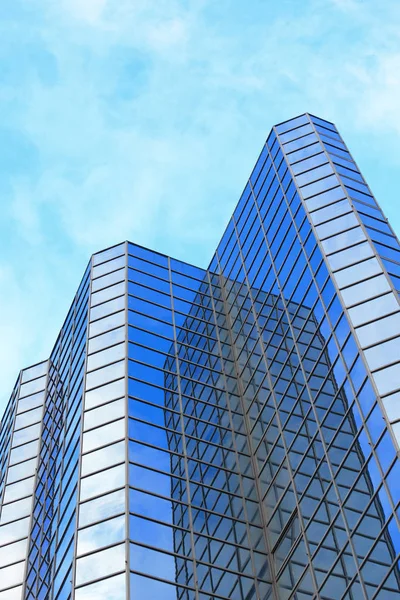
226 433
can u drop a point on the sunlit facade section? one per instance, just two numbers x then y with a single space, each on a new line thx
100 547
40 446
20 449
228 433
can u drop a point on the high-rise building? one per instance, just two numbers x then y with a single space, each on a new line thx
229 433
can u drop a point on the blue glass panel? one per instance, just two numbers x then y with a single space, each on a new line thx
292 123
257 353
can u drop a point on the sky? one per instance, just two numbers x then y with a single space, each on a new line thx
142 119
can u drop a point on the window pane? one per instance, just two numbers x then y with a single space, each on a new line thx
331 211
379 330
367 289
314 175
105 394
103 414
350 256
105 357
382 354
100 564
296 133
107 293
102 508
102 482
107 323
392 406
108 267
337 225
21 453
13 552
156 563
107 339
310 163
292 124
108 280
34 372
28 418
342 240
357 272
373 309
153 534
16 510
108 254
150 480
33 386
21 470
103 435
396 431
146 254
100 535
150 589
12 575
26 435
325 198
14 531
104 458
30 402
300 143
14 594
152 506
106 374
19 490
112 588
387 380
107 308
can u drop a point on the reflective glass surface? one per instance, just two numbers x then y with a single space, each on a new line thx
226 433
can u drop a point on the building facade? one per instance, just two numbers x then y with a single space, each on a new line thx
229 433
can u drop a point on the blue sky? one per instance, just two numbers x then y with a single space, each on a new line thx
141 120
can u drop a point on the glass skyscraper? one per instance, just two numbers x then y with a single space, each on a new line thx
229 433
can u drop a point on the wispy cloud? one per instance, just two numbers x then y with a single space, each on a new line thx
141 120
89 11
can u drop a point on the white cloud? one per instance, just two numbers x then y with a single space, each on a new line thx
25 213
380 106
347 5
168 33
89 11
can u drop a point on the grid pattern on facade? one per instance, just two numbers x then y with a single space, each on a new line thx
100 543
228 433
270 245
39 502
19 478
